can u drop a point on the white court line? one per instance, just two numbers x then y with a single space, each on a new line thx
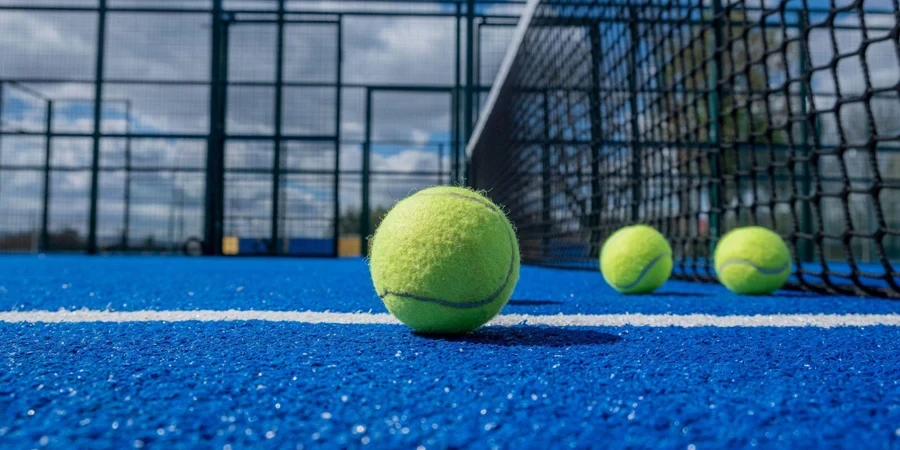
560 320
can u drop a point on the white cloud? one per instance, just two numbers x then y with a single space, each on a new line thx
390 50
47 44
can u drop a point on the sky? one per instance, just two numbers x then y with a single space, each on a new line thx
408 128
412 130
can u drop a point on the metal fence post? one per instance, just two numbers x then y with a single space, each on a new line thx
546 175
440 163
596 137
805 249
215 147
457 139
1 138
468 100
715 125
337 130
98 118
275 233
365 225
126 226
453 170
636 149
45 206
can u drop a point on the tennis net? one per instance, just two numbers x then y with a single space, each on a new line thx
696 117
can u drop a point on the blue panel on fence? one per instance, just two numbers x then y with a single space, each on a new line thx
253 246
311 247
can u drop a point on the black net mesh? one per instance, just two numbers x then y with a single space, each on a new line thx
697 117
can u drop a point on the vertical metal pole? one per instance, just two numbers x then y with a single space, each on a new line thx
476 67
126 226
636 149
546 174
215 147
805 249
336 187
1 138
468 100
170 232
454 123
440 163
596 137
45 206
276 164
455 100
440 179
98 117
181 215
453 169
714 117
365 225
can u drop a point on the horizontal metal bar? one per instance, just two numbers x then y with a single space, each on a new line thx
377 87
285 21
134 10
572 142
413 173
325 84
201 170
148 136
40 168
39 80
411 87
435 88
107 135
89 99
285 137
397 142
281 217
330 172
295 10
107 9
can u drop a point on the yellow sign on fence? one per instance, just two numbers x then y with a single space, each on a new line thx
230 245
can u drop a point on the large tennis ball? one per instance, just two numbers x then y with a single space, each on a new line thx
636 260
752 260
445 260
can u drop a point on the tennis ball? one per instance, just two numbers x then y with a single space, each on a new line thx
752 260
636 260
445 260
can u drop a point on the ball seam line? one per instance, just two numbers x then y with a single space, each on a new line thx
477 303
644 272
747 262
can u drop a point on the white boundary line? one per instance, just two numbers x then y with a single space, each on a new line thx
503 72
560 320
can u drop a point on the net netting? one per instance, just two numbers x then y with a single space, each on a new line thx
697 117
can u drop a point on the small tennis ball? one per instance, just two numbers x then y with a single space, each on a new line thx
636 260
445 260
752 260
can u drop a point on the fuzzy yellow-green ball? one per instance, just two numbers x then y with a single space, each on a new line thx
752 260
636 260
445 260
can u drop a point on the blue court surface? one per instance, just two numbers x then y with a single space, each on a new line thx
116 352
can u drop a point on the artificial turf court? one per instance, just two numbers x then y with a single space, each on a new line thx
159 353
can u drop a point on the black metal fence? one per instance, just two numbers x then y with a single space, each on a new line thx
697 117
280 127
